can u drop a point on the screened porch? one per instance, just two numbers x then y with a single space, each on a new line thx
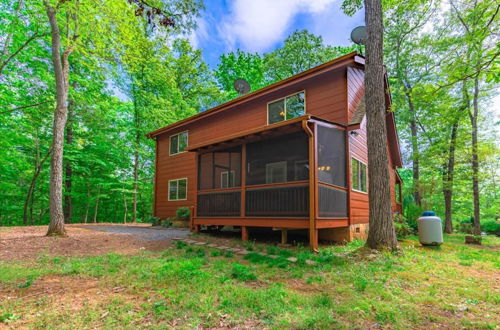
266 175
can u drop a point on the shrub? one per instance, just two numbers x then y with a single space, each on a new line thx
491 227
155 221
412 212
465 226
401 226
242 273
180 244
183 213
166 223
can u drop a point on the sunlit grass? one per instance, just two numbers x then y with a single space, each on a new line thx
187 286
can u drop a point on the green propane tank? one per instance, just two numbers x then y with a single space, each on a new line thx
430 231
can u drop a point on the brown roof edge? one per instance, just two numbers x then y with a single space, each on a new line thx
260 92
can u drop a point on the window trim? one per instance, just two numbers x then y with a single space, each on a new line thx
284 98
168 192
366 176
170 143
228 173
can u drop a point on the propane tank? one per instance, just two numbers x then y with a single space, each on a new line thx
430 231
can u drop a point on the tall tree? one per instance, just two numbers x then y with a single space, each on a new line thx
381 234
61 73
479 23
301 51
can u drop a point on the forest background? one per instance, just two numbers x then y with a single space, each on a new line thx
131 70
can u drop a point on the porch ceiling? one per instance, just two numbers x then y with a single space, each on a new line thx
268 131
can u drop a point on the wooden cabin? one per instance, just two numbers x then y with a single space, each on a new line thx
248 162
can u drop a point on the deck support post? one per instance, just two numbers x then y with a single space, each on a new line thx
244 233
313 239
313 232
197 229
284 236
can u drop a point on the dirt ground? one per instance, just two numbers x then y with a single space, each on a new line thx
27 243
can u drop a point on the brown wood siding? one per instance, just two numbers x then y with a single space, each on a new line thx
355 89
169 168
358 149
326 97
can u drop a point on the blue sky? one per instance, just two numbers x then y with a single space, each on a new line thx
262 25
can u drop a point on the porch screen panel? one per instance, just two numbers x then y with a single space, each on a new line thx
332 203
221 204
205 171
290 201
220 169
331 156
283 159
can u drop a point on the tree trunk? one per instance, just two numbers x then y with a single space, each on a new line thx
381 234
96 205
56 226
29 196
448 179
475 159
126 209
68 181
414 148
136 158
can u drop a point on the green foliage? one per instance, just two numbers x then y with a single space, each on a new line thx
155 221
242 273
491 227
183 213
465 226
180 244
403 230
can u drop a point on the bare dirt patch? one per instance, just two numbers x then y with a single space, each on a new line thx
28 243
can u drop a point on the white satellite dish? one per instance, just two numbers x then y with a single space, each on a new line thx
358 35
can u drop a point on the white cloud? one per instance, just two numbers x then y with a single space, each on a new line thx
257 25
198 34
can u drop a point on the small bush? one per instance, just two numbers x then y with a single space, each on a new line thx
491 227
465 226
167 223
155 221
180 244
401 226
183 213
242 273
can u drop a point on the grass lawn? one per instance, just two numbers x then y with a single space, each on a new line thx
455 286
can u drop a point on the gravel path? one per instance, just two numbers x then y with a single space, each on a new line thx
143 233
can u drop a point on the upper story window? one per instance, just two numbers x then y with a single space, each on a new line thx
358 176
178 143
289 107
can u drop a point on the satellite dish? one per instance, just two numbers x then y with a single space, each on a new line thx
358 35
241 86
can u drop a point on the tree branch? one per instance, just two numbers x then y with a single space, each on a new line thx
27 106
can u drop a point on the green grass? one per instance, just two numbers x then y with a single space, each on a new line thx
186 287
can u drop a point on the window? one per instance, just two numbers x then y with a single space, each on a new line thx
289 107
177 190
178 143
276 172
398 192
358 175
227 179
